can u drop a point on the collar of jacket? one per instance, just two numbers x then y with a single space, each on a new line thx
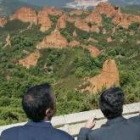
114 121
39 124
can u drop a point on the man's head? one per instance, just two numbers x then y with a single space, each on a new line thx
39 103
111 102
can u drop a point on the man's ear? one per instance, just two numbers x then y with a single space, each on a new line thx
49 112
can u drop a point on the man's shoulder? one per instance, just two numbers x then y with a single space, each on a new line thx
13 133
10 132
12 129
135 119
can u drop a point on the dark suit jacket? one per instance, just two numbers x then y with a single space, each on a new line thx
136 119
115 129
35 131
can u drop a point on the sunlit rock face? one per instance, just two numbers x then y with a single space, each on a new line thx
52 11
94 51
74 43
109 77
30 60
55 40
25 14
125 20
44 20
83 25
61 23
8 41
3 21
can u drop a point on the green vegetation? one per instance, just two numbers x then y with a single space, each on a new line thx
65 69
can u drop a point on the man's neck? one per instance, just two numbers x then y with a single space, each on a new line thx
47 120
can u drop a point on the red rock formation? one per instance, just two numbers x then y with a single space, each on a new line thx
74 43
113 30
30 60
55 40
109 39
104 31
94 17
93 40
125 20
81 24
95 28
73 19
52 11
8 41
74 33
102 8
25 14
108 77
114 12
44 20
108 9
62 21
3 21
95 52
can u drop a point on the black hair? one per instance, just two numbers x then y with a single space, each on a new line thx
111 102
36 101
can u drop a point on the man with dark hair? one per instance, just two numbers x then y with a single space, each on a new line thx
117 128
39 105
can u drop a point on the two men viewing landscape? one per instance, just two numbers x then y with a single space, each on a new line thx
39 104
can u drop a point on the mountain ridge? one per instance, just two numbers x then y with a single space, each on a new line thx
62 3
9 7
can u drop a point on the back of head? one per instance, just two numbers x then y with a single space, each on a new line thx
37 100
111 102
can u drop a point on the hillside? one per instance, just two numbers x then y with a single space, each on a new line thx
80 52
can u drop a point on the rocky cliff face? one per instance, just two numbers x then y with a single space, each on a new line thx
8 41
95 18
44 20
3 21
52 11
111 11
61 23
95 52
108 9
125 20
108 77
114 12
30 60
55 40
74 43
93 22
25 14
85 26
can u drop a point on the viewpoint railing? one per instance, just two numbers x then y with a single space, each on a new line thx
73 122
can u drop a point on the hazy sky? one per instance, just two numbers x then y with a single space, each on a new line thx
83 3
